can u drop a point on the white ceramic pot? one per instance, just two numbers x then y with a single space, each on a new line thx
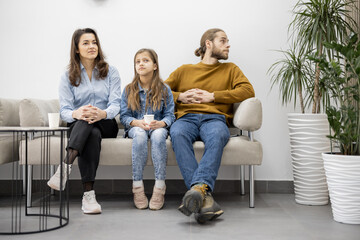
343 178
308 141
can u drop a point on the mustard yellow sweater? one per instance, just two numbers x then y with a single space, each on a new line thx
225 80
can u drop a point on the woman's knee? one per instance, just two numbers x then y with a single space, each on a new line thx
95 133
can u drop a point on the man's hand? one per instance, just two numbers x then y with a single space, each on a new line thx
157 124
140 123
196 95
204 96
89 114
188 96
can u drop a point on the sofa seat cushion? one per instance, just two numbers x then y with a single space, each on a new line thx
238 151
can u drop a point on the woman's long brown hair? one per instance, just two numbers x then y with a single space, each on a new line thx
158 88
74 65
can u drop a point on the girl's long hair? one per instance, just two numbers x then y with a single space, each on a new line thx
74 64
158 88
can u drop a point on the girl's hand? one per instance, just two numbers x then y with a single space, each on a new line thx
157 124
140 123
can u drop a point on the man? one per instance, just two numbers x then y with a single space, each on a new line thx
204 95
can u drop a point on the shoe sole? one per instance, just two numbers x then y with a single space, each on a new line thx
53 186
154 208
184 210
91 212
141 208
191 204
208 216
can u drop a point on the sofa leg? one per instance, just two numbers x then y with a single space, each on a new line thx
252 187
242 180
29 186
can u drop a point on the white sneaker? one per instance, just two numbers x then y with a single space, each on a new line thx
54 181
89 203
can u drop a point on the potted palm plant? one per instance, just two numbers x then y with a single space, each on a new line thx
314 22
342 165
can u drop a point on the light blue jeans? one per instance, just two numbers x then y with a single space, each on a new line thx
140 151
213 131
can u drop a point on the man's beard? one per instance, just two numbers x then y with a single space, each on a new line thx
218 54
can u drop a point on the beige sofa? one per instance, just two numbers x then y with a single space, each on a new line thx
241 149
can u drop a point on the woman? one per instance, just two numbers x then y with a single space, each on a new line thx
89 96
147 95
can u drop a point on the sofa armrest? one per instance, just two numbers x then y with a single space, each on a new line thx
34 112
248 114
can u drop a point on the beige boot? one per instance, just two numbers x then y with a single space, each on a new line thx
157 198
140 199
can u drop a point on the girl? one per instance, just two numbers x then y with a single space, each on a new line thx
147 94
89 95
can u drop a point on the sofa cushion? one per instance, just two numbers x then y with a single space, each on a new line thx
34 112
238 151
9 152
9 112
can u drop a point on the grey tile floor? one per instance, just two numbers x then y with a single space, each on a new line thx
275 216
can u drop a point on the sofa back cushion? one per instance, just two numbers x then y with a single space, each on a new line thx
34 112
9 112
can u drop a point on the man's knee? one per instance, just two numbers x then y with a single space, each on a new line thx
222 133
217 135
177 130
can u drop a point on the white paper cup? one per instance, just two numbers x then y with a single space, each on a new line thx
148 118
54 120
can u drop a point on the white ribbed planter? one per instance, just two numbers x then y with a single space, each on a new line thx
308 141
343 178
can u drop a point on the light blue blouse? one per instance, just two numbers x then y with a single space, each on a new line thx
102 93
165 113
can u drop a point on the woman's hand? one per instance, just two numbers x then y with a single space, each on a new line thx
140 123
157 124
89 114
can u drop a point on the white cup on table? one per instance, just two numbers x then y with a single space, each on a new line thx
54 120
149 118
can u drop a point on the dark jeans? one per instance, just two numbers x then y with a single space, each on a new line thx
86 139
212 130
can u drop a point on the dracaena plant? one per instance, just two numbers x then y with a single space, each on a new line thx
341 76
314 22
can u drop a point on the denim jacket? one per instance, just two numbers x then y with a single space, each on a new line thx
165 113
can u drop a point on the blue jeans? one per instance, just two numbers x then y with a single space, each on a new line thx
213 131
140 151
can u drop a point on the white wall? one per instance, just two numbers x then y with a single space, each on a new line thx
35 45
